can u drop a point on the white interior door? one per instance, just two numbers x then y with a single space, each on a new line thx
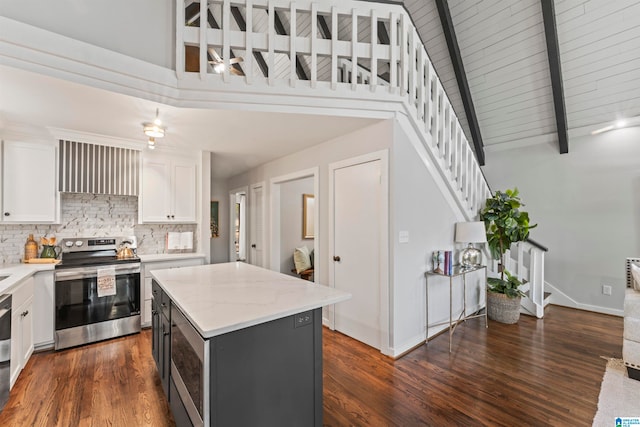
357 200
256 213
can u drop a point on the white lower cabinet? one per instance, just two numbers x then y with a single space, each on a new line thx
43 305
21 326
147 267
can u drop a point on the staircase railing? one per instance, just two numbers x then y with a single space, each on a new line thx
526 261
331 42
320 36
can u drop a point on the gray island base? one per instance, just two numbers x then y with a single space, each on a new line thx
237 345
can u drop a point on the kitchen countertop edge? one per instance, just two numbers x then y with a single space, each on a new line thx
18 272
169 257
168 280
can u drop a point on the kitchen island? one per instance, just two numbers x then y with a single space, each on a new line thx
239 345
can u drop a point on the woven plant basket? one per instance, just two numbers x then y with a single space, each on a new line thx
503 309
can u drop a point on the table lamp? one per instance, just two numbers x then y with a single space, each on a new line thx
470 232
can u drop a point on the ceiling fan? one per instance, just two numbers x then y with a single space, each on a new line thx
217 63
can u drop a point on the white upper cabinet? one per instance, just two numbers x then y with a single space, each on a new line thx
29 185
169 187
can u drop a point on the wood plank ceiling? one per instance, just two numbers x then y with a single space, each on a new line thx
503 48
505 55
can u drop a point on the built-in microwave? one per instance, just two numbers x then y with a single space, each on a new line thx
190 355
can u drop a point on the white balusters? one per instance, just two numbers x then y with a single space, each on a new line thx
293 56
339 64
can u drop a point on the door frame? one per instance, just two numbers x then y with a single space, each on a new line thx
252 187
384 290
274 223
232 215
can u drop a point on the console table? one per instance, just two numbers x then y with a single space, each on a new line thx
457 272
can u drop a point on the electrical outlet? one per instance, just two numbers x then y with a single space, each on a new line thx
606 290
302 319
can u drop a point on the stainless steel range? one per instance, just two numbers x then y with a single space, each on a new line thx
97 290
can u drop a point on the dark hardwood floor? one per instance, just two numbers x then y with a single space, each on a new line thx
537 373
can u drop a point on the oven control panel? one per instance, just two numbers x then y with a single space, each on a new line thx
81 244
100 242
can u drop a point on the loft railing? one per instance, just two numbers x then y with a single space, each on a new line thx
281 41
316 48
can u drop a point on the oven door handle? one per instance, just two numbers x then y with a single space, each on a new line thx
92 272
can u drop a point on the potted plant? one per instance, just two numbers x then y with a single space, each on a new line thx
505 224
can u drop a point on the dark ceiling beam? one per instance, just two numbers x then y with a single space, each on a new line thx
461 77
242 24
553 52
383 34
324 28
280 30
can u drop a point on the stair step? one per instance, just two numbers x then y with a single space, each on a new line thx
547 299
547 295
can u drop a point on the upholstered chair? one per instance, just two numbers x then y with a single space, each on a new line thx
631 335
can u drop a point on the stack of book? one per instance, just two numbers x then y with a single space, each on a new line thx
443 262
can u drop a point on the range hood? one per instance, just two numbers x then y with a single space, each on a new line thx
98 169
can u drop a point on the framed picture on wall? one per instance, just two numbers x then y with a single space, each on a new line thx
308 226
215 230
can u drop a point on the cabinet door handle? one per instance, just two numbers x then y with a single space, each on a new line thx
7 214
165 333
253 246
336 258
24 313
168 216
173 216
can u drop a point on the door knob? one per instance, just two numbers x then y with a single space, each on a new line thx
336 258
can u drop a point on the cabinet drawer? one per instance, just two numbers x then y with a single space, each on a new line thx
22 292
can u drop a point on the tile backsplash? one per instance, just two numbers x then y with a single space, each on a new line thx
89 215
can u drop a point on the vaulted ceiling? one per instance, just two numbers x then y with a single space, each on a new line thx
502 46
503 49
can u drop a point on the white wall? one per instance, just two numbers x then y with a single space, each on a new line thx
419 208
291 220
369 139
111 24
220 245
417 205
587 205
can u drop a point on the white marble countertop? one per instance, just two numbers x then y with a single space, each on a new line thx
169 257
221 298
17 272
